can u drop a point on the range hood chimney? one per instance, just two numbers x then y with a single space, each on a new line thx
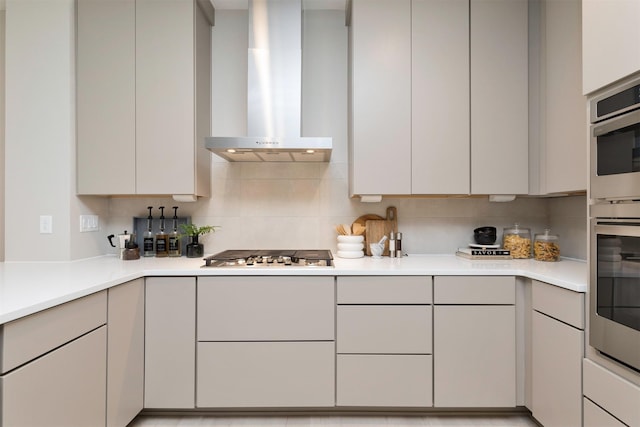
274 93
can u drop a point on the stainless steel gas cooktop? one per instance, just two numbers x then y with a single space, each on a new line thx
270 258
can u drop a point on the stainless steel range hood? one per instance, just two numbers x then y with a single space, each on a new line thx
274 93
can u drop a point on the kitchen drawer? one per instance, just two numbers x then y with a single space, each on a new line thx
474 290
595 416
384 380
384 290
266 308
562 304
66 387
404 329
265 374
29 337
613 393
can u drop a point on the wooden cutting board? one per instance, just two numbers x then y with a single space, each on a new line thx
376 228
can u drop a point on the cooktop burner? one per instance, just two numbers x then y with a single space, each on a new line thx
270 258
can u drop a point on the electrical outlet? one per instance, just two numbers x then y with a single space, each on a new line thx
46 224
89 223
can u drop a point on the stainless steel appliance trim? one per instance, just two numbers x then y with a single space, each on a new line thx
593 110
616 123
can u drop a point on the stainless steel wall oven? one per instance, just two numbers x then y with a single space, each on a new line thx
615 142
614 211
614 324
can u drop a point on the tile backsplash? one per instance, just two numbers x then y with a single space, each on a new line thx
261 206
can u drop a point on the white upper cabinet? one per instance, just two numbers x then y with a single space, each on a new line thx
380 78
106 98
143 97
499 97
439 97
559 125
610 40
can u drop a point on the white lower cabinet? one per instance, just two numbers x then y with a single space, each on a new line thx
63 388
557 350
265 374
266 342
170 342
613 394
595 416
384 380
384 341
53 366
474 363
380 329
125 353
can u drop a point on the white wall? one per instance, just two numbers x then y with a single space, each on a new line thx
40 135
2 110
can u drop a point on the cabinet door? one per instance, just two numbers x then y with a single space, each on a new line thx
29 337
384 380
610 40
266 374
266 308
595 416
66 387
105 72
556 372
474 356
165 103
125 359
564 127
499 97
170 342
399 329
440 97
380 37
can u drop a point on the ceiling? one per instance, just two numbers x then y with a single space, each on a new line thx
306 4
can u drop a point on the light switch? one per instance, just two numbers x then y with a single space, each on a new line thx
46 224
89 223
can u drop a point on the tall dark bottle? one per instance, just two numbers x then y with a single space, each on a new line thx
162 240
174 236
148 238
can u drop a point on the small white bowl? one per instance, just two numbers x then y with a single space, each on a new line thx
350 254
350 246
376 250
350 239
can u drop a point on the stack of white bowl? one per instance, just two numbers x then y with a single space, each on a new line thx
350 246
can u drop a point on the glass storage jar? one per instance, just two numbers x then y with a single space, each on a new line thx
546 246
518 241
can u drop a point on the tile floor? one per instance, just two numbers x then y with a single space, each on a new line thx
335 421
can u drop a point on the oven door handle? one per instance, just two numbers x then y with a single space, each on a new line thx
631 229
616 123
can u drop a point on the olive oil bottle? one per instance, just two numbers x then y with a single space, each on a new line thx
148 238
162 239
174 236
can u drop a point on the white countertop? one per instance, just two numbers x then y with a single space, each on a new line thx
28 287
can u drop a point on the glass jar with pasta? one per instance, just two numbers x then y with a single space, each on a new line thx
546 246
518 241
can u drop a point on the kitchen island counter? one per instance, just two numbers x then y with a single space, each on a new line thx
29 287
